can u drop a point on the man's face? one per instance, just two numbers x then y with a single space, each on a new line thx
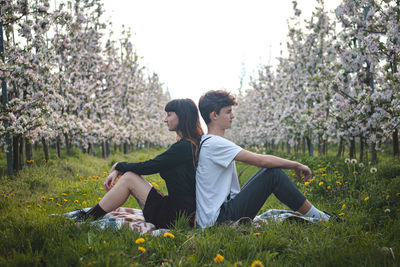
225 117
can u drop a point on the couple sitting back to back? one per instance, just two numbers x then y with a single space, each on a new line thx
211 192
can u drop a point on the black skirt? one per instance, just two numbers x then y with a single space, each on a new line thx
162 210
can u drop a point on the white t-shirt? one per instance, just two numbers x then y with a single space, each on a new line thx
216 178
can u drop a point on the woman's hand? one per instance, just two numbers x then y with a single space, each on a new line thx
303 172
110 180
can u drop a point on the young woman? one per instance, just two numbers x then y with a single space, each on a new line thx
177 166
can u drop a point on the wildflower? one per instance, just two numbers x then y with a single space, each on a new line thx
347 160
387 210
154 184
142 249
58 204
398 194
51 198
387 197
12 194
320 183
139 240
43 198
307 183
168 234
84 203
324 174
329 187
256 234
76 201
343 206
353 161
336 172
65 200
361 165
341 214
366 199
373 170
257 263
218 258
355 172
99 199
339 183
64 194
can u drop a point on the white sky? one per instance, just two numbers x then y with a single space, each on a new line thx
196 46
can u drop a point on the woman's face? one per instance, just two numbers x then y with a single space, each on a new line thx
172 121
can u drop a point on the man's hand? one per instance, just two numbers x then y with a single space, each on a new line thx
110 180
303 172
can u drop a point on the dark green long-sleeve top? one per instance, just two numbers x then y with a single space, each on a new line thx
176 167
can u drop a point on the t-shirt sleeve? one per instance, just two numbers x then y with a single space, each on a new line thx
177 154
223 151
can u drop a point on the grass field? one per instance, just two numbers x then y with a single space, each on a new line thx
368 202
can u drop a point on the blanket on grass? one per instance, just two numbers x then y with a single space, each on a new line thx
133 218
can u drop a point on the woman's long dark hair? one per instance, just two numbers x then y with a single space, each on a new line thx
189 122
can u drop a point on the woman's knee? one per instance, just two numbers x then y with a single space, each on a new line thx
129 178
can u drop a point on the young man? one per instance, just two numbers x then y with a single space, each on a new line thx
218 195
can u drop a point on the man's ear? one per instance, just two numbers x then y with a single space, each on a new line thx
213 115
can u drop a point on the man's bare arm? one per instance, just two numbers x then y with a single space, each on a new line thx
269 161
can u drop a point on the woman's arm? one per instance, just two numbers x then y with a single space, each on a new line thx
177 154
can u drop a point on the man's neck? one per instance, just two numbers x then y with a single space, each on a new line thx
215 130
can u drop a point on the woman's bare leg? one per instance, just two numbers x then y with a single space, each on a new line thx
128 184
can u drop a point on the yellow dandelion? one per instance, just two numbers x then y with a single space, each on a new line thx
142 249
366 199
139 240
355 172
12 194
218 258
84 203
43 198
339 183
341 214
336 172
65 200
38 205
237 264
256 234
51 198
76 201
58 204
64 194
387 197
329 187
307 183
343 206
99 199
154 184
257 263
320 183
169 234
324 174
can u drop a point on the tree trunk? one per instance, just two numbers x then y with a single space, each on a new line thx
21 151
395 137
126 148
67 145
339 153
28 151
303 145
310 147
374 155
16 158
320 152
45 149
103 149
287 148
352 152
325 147
58 141
115 147
107 149
361 148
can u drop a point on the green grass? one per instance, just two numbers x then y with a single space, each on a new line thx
368 202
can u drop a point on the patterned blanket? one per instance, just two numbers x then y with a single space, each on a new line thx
133 218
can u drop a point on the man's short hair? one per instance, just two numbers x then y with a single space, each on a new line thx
214 100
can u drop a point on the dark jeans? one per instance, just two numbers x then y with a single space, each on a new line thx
255 192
